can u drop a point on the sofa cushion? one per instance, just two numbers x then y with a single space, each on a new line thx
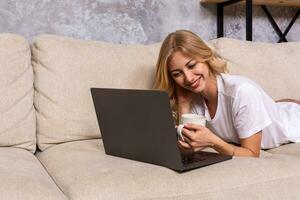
23 177
83 171
290 149
65 70
274 66
17 114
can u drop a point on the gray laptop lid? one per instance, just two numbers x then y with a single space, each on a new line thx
137 124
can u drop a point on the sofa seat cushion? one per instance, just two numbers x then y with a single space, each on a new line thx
290 149
23 177
17 114
65 70
83 171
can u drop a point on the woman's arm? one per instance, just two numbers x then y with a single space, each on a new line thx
249 146
198 137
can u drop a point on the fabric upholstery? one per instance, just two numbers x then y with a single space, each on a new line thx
23 177
83 171
17 114
71 67
289 149
274 66
65 70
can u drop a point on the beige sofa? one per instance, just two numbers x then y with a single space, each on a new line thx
45 102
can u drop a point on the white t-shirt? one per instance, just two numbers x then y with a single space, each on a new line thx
244 109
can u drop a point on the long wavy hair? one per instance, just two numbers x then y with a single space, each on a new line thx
190 45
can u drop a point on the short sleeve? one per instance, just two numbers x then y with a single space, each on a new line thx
249 112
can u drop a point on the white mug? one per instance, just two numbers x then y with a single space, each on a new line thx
191 119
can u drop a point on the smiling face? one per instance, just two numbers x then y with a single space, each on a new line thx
189 73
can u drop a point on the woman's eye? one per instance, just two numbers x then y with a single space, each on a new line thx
192 66
176 74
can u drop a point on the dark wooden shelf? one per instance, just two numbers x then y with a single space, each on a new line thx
291 3
249 4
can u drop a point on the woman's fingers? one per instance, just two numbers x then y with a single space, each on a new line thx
189 135
184 144
196 136
192 137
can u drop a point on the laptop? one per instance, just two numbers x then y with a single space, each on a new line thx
138 125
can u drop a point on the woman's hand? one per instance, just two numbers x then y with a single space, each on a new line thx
196 137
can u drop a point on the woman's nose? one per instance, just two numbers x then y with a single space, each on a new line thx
188 76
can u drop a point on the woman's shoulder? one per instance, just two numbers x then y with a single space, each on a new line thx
231 85
232 79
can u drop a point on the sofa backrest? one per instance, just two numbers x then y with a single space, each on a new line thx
65 70
17 114
276 67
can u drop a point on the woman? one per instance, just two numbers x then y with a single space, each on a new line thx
241 117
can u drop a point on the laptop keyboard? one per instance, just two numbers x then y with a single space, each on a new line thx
188 159
196 157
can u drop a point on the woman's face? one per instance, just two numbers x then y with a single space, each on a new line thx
188 73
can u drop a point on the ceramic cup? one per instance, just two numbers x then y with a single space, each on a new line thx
191 119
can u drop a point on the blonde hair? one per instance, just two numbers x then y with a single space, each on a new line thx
191 45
